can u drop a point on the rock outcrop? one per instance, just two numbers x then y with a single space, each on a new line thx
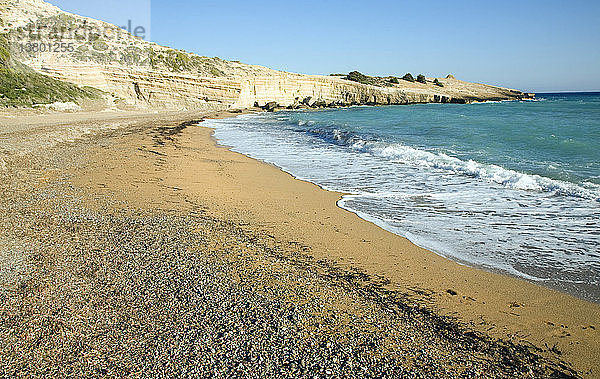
144 74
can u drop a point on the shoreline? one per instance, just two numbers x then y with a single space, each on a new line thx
378 222
552 292
502 270
186 170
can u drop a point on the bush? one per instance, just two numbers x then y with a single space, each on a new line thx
421 79
23 87
408 77
100 45
4 50
437 83
394 80
216 72
356 76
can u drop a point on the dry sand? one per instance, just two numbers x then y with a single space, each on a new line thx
182 168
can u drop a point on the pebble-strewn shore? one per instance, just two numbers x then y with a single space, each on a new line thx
93 287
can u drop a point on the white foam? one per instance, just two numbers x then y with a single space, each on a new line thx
489 172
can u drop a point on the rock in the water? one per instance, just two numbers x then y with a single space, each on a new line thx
320 103
308 101
271 106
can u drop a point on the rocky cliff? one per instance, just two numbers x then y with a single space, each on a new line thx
143 74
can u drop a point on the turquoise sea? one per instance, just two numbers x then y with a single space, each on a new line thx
512 187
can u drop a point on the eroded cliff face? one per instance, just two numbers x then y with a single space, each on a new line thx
144 74
290 89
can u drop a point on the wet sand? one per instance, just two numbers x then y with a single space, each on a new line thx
289 241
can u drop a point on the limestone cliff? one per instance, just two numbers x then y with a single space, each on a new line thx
94 53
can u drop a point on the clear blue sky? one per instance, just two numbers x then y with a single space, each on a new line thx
531 45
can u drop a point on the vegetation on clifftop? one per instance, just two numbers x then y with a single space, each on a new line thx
356 76
388 81
408 77
179 61
377 81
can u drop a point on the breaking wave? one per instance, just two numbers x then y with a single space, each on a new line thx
398 153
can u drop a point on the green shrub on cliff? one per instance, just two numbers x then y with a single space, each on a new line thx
4 50
421 79
408 77
132 55
356 76
394 80
20 86
100 45
179 61
437 83
175 60
365 79
216 72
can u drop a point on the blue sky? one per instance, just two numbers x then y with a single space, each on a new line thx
531 45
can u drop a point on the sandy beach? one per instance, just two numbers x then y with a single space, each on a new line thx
133 244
